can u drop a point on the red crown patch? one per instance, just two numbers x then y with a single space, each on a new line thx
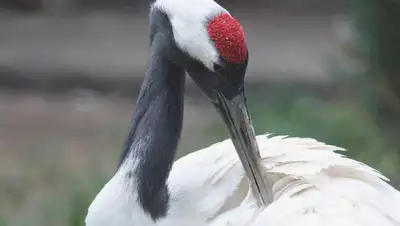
228 37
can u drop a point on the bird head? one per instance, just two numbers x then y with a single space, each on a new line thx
208 42
210 45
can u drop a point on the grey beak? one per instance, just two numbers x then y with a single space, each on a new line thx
235 115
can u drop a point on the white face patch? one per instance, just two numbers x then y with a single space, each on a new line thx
188 19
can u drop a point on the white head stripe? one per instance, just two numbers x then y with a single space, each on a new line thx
189 28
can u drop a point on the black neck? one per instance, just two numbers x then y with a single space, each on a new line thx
155 132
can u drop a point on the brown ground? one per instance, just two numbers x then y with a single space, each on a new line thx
109 44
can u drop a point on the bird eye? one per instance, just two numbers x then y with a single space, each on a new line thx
218 69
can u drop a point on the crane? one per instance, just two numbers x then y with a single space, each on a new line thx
246 180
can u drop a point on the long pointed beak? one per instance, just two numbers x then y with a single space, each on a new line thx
235 115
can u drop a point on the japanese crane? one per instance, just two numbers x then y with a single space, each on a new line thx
290 181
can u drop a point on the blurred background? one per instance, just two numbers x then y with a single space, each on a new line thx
70 71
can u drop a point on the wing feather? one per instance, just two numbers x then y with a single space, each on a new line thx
313 185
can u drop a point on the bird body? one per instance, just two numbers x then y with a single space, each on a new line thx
312 185
290 181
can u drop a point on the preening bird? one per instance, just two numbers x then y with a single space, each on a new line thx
243 181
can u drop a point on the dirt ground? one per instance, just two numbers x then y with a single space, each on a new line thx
107 44
29 121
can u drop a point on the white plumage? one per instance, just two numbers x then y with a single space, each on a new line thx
312 185
188 28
